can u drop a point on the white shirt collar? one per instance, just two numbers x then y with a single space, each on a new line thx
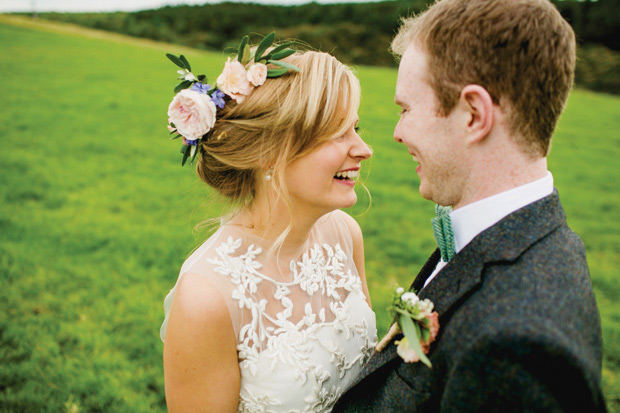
472 219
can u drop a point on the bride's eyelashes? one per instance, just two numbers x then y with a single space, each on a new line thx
341 137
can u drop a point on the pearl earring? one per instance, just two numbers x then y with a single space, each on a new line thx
268 175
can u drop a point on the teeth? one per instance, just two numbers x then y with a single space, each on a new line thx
348 174
415 159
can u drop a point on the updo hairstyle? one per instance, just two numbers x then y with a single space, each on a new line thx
280 121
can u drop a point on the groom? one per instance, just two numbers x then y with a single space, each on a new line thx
481 84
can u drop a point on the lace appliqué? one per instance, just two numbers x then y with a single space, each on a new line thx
323 270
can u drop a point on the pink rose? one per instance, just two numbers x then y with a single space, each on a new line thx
257 74
433 328
234 81
192 113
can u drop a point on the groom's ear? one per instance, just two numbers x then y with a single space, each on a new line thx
477 106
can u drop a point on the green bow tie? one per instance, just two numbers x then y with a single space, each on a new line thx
442 229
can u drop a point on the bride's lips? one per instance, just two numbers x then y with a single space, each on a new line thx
347 176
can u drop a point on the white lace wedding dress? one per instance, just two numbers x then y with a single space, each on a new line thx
303 327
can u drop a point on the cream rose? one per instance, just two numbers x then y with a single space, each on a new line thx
406 352
192 113
257 74
234 81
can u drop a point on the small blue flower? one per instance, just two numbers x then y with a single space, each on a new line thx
200 87
217 97
190 142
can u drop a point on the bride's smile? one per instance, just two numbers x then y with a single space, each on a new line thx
324 179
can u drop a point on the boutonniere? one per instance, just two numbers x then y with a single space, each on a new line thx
418 322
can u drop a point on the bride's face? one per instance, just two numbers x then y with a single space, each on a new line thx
324 179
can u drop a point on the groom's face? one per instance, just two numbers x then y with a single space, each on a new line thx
431 139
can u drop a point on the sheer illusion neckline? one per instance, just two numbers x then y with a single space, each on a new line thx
240 231
253 251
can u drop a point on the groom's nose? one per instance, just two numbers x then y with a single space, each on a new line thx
397 134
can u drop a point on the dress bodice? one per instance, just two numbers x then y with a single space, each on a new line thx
304 329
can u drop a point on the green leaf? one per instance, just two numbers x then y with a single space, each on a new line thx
426 334
194 152
185 154
284 64
264 45
276 72
183 85
202 79
246 55
185 62
413 334
241 50
175 60
282 54
175 137
279 48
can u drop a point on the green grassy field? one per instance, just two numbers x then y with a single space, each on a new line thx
97 214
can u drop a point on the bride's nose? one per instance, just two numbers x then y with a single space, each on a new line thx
360 149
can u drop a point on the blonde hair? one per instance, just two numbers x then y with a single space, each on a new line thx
521 51
280 121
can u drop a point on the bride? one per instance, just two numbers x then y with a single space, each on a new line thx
272 312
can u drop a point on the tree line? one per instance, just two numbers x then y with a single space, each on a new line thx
356 33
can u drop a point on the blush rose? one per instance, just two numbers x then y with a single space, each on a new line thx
192 113
257 74
234 81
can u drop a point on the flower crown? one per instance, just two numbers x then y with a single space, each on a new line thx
192 112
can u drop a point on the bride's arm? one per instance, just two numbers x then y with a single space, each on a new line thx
358 252
201 369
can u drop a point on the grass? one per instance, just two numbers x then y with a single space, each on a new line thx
96 214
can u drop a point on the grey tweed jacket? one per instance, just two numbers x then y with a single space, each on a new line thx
519 328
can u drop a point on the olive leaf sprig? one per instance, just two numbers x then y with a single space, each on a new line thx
245 55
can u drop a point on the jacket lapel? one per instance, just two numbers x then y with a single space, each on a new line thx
379 359
426 271
505 241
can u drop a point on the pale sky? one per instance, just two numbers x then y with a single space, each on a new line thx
7 6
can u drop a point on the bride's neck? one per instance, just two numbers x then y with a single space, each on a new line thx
268 219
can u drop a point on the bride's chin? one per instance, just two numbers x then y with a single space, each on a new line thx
350 203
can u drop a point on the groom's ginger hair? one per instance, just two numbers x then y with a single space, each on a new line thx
521 51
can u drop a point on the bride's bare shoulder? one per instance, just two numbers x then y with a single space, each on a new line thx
200 358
